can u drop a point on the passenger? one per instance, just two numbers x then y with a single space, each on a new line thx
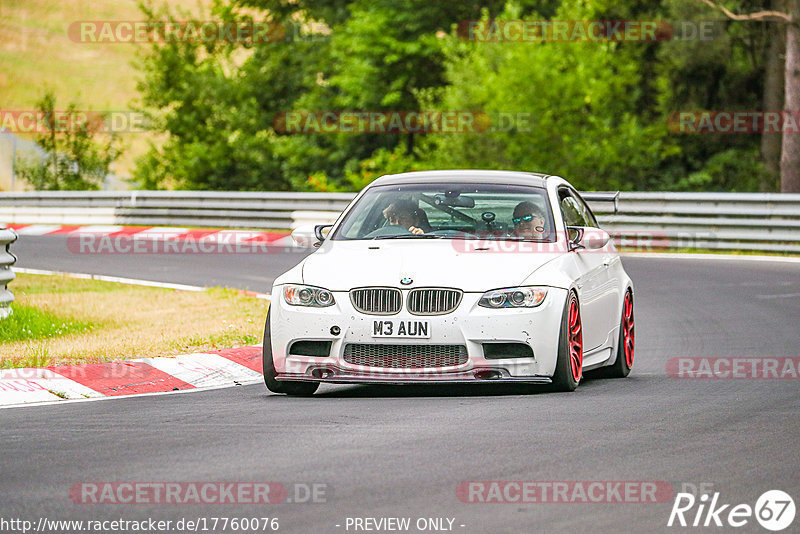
404 213
528 221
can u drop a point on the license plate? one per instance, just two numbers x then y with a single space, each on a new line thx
400 328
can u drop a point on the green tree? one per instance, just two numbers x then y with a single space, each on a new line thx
74 157
597 112
725 71
572 108
784 28
379 57
215 101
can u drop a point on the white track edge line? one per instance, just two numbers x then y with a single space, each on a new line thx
104 278
705 256
131 281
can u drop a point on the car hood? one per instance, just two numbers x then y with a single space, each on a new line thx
463 264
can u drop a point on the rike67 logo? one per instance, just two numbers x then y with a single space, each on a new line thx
774 510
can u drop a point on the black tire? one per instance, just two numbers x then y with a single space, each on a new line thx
300 389
563 378
621 368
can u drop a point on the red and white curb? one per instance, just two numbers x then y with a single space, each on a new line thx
157 233
213 369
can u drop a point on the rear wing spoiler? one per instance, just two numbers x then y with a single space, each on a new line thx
603 197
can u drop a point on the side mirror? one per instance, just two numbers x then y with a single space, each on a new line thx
319 231
595 238
574 237
309 235
588 237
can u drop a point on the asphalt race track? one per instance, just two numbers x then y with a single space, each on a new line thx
255 272
403 451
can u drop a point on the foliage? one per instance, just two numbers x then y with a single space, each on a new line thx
215 106
381 162
594 112
571 108
731 170
73 157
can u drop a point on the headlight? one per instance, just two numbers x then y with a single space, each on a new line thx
315 297
513 297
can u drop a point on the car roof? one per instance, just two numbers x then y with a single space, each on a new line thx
469 176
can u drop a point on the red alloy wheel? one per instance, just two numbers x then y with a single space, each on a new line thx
627 329
575 341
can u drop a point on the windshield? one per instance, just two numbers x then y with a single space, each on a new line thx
450 211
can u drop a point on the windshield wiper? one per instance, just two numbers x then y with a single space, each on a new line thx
410 236
525 239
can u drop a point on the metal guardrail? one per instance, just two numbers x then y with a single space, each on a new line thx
7 259
727 221
739 221
278 210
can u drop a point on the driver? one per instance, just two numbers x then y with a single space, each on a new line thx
528 221
404 213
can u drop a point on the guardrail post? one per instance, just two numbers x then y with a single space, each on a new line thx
7 259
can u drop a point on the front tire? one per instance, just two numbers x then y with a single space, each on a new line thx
569 365
300 389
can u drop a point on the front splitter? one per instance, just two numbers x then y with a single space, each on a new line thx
457 379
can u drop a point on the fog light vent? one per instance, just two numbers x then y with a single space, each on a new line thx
497 351
320 349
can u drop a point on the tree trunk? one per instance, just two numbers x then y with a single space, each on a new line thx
773 101
790 152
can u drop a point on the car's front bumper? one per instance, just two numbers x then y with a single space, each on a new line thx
470 326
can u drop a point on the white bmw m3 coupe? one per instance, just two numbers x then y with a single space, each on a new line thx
453 277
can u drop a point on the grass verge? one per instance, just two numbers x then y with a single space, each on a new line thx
28 322
111 321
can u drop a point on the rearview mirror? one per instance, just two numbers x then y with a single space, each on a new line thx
453 199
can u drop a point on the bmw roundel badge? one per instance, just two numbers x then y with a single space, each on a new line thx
406 281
